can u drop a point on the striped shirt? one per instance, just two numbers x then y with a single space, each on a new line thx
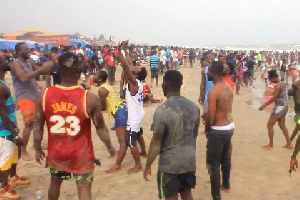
154 61
10 109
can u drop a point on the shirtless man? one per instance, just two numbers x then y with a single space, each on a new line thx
219 130
68 111
279 111
296 97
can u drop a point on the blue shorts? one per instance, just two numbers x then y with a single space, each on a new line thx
121 116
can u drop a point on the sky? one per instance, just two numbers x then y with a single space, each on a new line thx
162 22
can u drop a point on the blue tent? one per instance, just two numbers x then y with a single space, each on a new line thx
74 43
10 44
7 44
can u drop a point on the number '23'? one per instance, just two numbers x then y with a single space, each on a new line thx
60 122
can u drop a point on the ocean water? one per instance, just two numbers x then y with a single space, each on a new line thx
276 47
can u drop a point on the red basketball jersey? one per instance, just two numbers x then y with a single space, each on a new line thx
70 146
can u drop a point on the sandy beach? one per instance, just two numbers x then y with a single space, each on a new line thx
257 173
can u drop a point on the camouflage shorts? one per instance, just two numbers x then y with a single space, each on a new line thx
81 179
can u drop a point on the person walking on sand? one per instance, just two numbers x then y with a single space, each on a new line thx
219 129
175 130
279 111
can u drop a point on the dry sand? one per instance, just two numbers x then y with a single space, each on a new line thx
256 174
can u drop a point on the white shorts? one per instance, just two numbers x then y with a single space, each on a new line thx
8 154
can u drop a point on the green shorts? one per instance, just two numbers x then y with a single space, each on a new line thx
81 179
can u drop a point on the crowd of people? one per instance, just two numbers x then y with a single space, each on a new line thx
68 109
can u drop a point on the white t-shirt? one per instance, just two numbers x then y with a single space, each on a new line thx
162 54
175 56
135 108
171 53
78 51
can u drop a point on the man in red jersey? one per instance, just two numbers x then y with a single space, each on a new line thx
67 110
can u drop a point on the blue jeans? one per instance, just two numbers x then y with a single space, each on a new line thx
176 65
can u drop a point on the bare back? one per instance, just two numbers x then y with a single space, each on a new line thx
220 104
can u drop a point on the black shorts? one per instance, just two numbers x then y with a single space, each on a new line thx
169 185
246 74
146 98
81 179
154 73
297 109
251 71
132 137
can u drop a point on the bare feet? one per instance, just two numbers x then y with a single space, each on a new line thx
225 189
135 169
144 154
113 169
25 156
268 147
237 93
288 146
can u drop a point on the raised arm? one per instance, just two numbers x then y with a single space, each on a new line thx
127 57
34 66
18 71
127 72
122 81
